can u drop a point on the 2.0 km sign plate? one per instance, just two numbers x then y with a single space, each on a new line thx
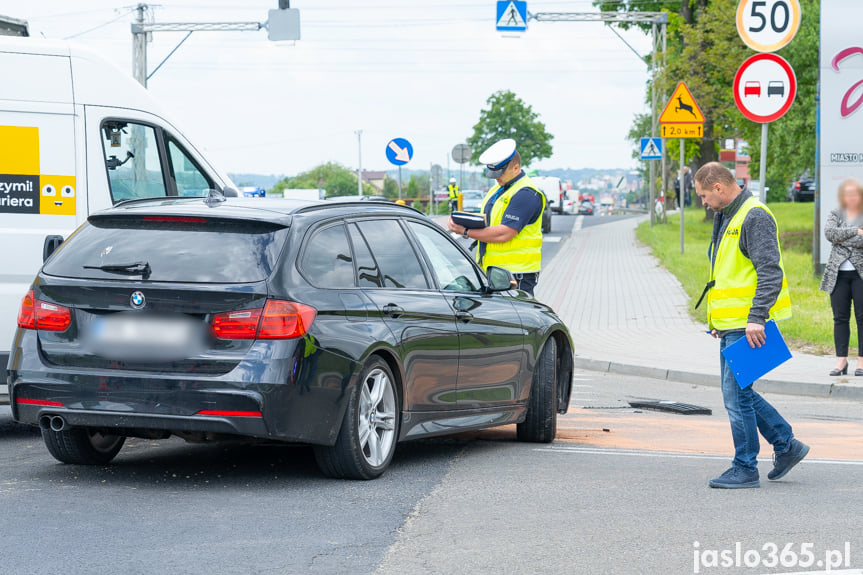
768 25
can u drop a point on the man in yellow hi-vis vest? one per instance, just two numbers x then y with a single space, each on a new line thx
747 288
513 209
452 188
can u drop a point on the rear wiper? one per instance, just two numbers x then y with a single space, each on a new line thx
132 269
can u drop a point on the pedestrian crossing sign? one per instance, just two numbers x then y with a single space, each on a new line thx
651 148
511 16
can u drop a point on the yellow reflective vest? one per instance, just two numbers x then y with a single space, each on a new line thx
730 299
453 191
523 253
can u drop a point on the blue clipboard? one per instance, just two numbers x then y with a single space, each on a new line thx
748 364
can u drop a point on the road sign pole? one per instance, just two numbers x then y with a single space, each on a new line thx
400 182
651 207
763 166
680 193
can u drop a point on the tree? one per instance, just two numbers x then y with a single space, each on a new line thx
507 116
705 50
336 179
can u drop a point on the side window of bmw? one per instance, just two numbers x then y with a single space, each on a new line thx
327 261
368 272
453 270
394 254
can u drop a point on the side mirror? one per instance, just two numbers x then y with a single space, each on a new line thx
230 192
50 246
499 279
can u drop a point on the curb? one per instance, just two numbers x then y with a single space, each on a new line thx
800 388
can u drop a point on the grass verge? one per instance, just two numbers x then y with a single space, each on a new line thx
811 327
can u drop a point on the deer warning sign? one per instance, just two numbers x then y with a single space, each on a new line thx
681 108
682 118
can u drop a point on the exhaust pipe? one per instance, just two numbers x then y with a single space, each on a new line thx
45 422
58 423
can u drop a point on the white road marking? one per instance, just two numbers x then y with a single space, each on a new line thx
579 221
551 239
675 455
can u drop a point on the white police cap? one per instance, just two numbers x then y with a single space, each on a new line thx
497 156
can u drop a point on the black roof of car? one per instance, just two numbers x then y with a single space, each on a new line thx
257 209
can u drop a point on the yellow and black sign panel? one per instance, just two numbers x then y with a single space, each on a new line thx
681 108
682 130
23 189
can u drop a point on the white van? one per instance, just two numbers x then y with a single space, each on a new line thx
554 191
77 135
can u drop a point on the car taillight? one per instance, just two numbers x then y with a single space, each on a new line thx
38 314
278 319
797 186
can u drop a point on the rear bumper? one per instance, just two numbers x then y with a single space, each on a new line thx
277 394
141 422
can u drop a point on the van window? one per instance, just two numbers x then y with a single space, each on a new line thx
189 179
327 260
133 161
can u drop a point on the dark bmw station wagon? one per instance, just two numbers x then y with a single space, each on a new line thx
347 326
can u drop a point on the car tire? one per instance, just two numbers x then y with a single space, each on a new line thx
367 439
540 422
82 446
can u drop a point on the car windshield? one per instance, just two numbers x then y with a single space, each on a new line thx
170 249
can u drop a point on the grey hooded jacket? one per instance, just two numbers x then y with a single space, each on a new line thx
847 245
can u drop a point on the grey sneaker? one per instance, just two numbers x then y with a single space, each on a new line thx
737 478
784 462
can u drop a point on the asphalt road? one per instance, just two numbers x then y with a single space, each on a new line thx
620 491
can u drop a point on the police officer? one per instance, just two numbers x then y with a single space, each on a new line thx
513 210
453 195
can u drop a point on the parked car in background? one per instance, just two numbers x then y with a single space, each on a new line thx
586 208
348 326
471 201
253 192
803 189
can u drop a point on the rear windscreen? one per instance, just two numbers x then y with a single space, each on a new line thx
170 249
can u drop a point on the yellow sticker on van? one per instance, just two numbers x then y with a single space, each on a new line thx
23 189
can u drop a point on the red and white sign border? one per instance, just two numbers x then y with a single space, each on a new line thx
792 91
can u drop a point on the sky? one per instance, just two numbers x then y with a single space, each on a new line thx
420 70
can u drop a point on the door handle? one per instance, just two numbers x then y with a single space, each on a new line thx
392 310
463 316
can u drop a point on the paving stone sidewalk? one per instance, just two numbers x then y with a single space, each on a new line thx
628 314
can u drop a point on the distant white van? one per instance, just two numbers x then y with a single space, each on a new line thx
77 135
554 191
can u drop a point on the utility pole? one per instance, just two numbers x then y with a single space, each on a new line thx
283 24
359 134
139 46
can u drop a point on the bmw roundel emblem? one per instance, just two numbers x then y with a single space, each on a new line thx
137 300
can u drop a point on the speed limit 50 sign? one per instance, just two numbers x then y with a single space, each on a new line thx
768 25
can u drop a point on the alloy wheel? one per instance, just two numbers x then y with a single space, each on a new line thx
377 417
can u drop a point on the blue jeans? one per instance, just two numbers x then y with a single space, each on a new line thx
750 413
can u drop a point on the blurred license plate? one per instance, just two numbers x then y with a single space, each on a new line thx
139 336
